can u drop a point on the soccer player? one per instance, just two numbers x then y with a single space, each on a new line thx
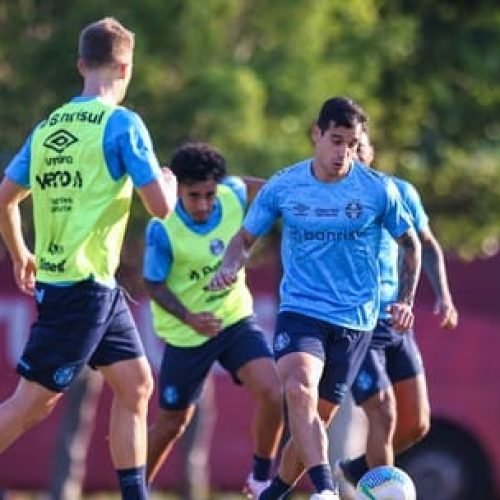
79 165
333 211
391 386
200 326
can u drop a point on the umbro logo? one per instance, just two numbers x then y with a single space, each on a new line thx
60 140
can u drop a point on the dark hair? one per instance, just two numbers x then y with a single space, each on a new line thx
104 42
342 111
197 161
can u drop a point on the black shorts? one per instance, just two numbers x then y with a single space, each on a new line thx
184 369
342 349
85 323
393 356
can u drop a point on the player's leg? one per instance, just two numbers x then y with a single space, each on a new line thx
28 405
183 372
132 384
380 410
301 346
167 428
406 371
120 357
248 357
413 406
372 390
291 467
57 349
402 365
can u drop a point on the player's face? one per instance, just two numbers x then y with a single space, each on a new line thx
335 149
198 199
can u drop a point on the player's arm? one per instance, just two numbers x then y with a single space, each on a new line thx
205 323
11 195
433 264
160 195
128 149
235 257
409 273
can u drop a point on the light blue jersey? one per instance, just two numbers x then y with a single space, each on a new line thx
127 149
158 256
331 240
388 260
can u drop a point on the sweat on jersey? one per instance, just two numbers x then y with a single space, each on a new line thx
330 240
78 163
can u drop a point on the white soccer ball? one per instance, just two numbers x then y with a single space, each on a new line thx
386 483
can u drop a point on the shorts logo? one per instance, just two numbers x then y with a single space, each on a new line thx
364 381
64 375
216 246
59 140
170 394
39 295
281 341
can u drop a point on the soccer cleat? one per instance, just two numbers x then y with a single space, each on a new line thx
253 488
340 473
325 495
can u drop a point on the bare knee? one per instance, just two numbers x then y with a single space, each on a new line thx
33 406
133 390
298 394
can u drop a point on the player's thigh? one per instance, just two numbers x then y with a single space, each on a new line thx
260 376
300 344
183 372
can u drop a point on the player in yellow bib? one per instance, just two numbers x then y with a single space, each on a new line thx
80 165
200 327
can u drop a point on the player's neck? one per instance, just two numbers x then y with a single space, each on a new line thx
108 90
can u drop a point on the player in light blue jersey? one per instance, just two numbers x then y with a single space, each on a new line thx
391 385
333 210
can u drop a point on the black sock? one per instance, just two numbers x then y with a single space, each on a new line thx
133 483
321 477
261 468
355 469
276 490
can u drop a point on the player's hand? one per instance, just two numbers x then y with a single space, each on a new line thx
401 316
24 273
205 323
223 278
449 314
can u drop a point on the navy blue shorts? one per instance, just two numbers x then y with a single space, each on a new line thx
392 357
342 349
86 323
184 369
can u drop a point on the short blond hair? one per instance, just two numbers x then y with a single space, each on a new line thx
105 42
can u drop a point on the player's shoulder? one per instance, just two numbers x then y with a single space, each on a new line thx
371 175
405 187
290 173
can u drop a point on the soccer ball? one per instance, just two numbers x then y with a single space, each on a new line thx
386 483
